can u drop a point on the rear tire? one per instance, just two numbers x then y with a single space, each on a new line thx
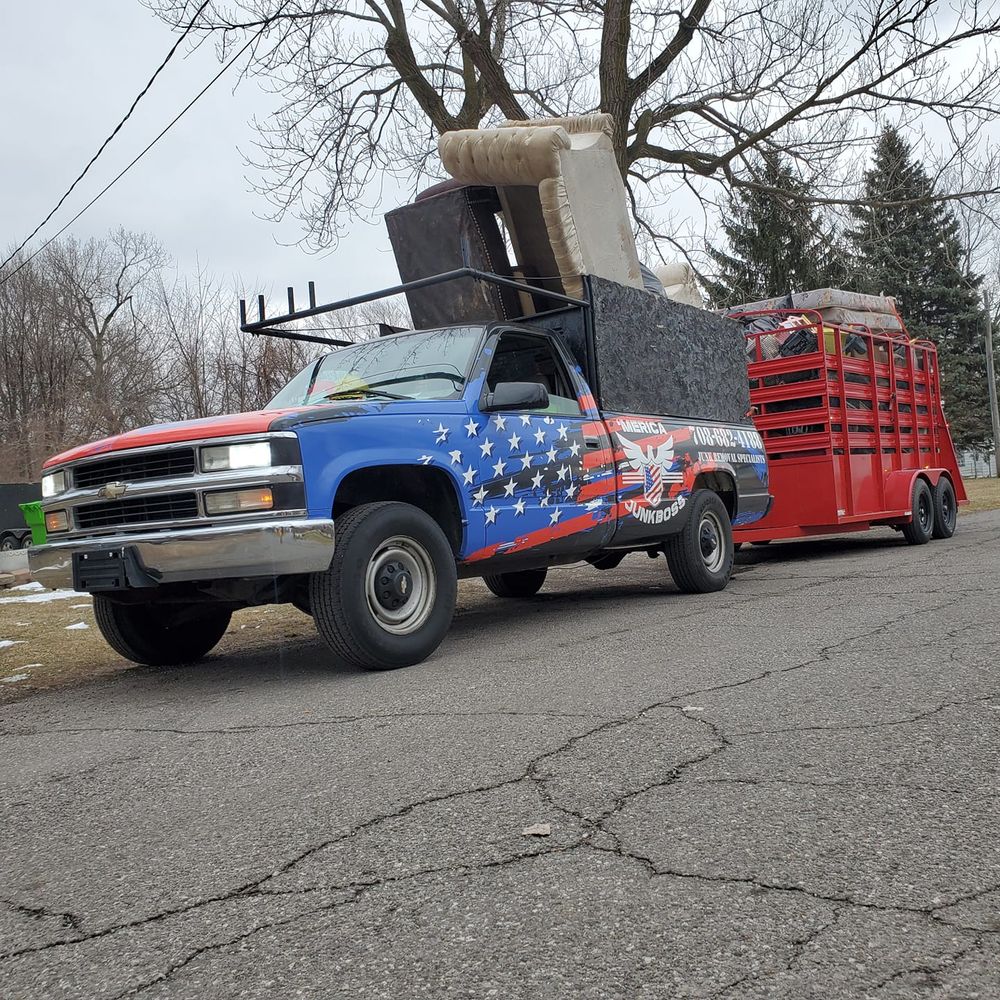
526 583
160 635
945 509
920 527
700 555
388 598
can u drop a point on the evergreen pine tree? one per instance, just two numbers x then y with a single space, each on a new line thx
910 247
776 243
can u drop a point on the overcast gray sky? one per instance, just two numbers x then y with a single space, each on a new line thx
69 70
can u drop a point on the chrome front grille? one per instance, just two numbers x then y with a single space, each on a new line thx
162 486
138 510
164 464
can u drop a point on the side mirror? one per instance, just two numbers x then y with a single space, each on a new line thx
518 396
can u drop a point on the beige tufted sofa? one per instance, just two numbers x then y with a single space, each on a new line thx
564 202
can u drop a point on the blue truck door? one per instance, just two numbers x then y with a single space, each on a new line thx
536 470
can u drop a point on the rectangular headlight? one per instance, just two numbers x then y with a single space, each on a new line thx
239 501
57 520
53 483
251 455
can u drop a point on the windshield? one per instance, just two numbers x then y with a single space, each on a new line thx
432 364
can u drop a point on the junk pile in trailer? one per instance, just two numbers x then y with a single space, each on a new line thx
850 411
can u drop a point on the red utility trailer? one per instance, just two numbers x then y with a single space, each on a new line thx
854 431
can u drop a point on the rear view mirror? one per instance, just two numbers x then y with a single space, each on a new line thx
518 396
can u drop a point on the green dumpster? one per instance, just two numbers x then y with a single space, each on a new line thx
34 518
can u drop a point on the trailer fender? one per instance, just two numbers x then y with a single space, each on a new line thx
899 486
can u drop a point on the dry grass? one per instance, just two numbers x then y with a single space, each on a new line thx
984 494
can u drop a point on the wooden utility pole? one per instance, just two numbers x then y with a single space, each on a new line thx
991 379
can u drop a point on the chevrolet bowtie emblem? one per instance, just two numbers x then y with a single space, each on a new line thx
112 491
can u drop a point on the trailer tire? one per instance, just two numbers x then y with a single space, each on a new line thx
919 529
525 583
700 555
160 635
388 597
8 542
945 509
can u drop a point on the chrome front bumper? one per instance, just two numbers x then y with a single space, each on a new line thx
259 549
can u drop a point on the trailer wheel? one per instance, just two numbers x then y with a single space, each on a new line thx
918 530
161 635
700 555
526 583
8 543
388 598
945 509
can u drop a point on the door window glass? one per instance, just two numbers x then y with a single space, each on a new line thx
523 358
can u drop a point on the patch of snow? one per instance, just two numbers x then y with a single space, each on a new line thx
78 625
42 598
13 679
4 643
73 606
34 585
30 666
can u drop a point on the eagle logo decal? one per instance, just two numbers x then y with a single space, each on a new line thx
652 468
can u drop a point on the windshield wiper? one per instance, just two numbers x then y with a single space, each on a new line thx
364 390
419 377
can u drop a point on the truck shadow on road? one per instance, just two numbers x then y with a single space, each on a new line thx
827 549
483 622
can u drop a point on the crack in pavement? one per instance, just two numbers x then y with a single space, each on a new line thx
946 962
862 726
356 889
881 785
821 657
66 918
335 720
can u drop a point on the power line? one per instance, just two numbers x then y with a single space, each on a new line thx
107 187
104 145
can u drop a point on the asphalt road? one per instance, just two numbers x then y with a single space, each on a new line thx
788 790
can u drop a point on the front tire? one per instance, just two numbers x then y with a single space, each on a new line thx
388 598
700 555
945 509
160 635
919 529
527 583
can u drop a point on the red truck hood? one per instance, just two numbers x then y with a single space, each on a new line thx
186 430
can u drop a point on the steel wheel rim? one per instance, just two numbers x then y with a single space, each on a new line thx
924 512
711 541
395 610
947 507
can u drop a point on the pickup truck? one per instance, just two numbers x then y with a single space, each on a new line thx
381 474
